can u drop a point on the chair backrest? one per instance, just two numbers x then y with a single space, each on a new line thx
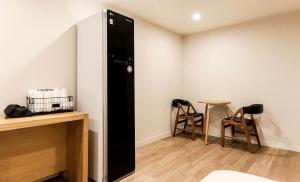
254 109
183 106
180 101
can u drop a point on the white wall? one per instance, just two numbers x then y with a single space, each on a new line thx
158 55
38 49
255 62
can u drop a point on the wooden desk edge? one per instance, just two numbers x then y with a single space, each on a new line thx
41 120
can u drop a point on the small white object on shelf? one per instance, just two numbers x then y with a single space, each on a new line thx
49 100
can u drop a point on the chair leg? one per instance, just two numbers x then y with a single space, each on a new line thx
223 134
232 131
184 127
193 130
245 129
232 128
175 126
256 135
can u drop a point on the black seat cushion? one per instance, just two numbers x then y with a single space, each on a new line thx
193 114
249 122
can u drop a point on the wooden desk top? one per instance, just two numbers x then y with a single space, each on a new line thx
26 122
215 102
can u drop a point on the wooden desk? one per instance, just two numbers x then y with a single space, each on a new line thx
208 105
33 148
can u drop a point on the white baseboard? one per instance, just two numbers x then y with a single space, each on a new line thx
212 133
152 139
283 146
267 143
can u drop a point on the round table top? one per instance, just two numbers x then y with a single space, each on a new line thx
215 102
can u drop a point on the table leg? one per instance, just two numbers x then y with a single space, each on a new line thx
207 113
227 111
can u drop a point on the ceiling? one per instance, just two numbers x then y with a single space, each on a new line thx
176 15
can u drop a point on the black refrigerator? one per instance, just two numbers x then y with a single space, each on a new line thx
119 150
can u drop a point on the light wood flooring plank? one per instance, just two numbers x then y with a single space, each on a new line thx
183 160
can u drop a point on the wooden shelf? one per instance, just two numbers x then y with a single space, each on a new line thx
26 122
41 146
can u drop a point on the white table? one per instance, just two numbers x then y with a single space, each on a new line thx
208 105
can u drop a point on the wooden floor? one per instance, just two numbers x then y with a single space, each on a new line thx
181 159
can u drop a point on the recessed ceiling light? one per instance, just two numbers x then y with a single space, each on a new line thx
196 16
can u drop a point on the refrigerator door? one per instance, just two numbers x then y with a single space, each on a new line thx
120 121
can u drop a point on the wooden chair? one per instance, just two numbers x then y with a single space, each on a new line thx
240 124
187 114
